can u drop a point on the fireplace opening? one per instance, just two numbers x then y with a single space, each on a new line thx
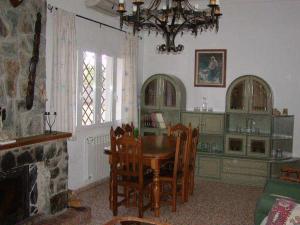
14 195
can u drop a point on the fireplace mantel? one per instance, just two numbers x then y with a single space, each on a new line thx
20 142
46 158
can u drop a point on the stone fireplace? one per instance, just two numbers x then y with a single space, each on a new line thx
14 195
33 178
34 170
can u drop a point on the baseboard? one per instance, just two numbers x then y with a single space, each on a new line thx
91 185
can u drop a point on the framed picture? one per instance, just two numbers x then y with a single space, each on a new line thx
210 68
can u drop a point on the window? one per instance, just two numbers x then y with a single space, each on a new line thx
88 88
120 72
100 85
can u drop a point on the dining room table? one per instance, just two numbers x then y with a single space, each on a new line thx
156 151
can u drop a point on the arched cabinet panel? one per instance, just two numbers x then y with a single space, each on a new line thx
150 97
260 98
162 98
249 94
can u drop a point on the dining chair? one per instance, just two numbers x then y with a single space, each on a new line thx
115 134
192 160
128 172
129 128
175 177
130 220
177 130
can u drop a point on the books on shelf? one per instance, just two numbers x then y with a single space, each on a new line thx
160 120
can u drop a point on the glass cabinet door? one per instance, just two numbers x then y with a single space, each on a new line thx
237 98
150 96
258 146
169 94
235 144
260 98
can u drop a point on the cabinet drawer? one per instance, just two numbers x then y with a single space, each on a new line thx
243 166
243 179
212 124
194 119
209 167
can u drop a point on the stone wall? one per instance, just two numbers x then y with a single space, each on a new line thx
48 165
16 45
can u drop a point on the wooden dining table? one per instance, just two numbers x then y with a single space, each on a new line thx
156 151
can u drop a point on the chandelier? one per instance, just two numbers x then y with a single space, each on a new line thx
170 18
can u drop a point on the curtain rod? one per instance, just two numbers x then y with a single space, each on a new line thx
51 7
101 24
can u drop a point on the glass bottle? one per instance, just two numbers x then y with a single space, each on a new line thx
204 104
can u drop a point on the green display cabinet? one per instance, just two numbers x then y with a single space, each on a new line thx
249 121
211 127
251 129
252 143
249 94
163 97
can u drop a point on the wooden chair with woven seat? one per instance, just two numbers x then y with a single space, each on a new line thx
177 130
128 172
114 134
192 159
130 220
175 177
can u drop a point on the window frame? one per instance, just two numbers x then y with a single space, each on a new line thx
79 100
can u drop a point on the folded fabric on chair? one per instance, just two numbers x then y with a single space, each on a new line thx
284 212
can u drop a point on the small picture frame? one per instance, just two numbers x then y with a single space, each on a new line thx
210 68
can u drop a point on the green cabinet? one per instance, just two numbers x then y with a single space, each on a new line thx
244 171
211 126
241 145
235 144
249 120
212 123
162 95
234 170
208 122
209 167
249 94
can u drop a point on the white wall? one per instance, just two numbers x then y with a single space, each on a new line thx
261 38
78 155
91 37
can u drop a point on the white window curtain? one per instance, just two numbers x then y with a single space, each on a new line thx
129 95
64 67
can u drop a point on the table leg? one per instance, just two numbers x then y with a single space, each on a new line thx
110 189
156 191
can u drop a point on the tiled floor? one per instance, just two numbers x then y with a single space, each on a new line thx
213 203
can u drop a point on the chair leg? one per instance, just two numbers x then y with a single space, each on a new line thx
141 204
192 178
110 192
183 188
135 199
174 196
151 197
114 198
127 197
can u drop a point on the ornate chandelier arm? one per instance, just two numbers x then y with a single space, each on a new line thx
160 25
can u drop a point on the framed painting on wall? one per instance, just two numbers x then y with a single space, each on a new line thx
210 68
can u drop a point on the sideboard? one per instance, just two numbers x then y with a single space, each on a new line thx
246 144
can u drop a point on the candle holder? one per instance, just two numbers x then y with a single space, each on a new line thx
50 120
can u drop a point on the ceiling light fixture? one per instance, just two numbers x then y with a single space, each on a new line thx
171 17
